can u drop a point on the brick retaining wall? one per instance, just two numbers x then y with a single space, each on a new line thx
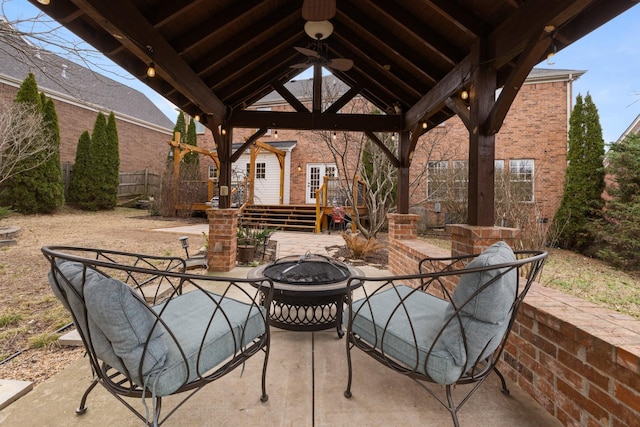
578 360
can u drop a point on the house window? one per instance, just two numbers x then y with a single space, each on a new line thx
213 173
261 170
521 179
460 179
437 180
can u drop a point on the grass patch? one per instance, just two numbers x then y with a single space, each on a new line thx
585 278
43 340
9 319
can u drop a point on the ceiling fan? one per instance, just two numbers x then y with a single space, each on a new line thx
319 55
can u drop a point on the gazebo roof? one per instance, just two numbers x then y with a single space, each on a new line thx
215 58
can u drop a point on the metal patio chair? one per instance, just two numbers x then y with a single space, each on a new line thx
446 325
152 330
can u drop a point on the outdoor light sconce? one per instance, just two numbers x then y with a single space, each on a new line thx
299 167
184 241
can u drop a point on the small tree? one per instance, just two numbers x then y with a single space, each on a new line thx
619 230
51 188
103 194
80 187
584 183
192 159
113 157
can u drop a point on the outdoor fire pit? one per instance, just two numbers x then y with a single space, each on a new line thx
309 291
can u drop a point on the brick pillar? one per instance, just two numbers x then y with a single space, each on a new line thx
469 239
403 226
223 242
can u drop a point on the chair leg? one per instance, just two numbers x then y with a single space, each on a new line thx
453 410
265 396
505 389
347 392
83 402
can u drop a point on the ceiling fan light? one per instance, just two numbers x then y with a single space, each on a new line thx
318 30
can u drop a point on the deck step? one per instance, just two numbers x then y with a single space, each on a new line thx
280 217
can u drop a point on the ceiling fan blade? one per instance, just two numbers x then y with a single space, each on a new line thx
318 10
301 65
340 64
307 52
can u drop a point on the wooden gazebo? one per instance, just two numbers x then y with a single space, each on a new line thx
411 59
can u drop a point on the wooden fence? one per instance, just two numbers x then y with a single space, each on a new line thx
131 183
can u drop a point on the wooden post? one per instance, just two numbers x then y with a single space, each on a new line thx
403 172
481 205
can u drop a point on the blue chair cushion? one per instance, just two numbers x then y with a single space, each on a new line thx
73 301
404 324
200 330
209 330
485 317
128 323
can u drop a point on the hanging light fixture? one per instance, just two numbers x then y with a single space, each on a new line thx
196 117
318 30
464 95
151 70
424 124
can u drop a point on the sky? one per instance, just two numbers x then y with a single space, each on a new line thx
610 55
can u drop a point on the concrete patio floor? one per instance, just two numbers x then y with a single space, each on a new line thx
306 378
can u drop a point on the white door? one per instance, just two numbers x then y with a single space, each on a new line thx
315 178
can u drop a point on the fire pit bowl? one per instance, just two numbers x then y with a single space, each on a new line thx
309 291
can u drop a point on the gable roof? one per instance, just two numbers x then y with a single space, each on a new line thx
217 58
68 81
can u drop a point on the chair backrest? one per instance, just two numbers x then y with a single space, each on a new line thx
485 300
113 319
131 314
450 322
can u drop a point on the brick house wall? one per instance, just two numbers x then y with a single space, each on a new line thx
535 128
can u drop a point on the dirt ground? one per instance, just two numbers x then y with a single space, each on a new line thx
29 313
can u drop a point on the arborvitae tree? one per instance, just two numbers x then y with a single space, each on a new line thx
619 230
192 139
181 126
113 153
101 167
584 182
23 187
80 185
50 193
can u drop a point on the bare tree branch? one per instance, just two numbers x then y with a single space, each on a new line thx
22 136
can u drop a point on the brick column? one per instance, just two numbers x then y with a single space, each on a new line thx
403 226
223 242
468 239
